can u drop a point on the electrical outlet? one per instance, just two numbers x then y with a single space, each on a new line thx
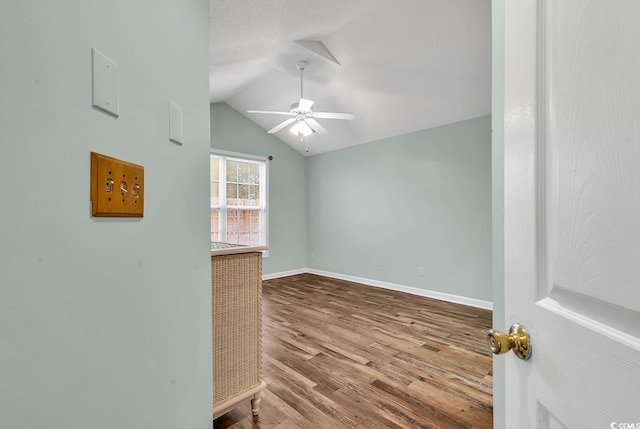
421 271
313 256
376 265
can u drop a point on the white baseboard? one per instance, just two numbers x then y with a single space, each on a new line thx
472 302
284 274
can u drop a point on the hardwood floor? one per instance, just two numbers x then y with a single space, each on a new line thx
338 354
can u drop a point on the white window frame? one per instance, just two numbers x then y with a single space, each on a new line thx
264 192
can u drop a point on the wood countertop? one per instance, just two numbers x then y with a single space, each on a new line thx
233 250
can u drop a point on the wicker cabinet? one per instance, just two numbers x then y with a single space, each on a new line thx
236 289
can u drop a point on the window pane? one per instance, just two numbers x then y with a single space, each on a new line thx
243 172
244 238
254 173
254 220
215 194
254 195
232 221
232 171
214 163
215 225
232 194
254 239
244 220
243 195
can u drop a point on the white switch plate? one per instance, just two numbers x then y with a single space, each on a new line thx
175 123
105 86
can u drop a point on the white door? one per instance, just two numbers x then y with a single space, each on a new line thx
572 212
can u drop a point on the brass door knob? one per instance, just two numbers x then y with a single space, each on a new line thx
517 340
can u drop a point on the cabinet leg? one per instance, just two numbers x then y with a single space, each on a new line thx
255 403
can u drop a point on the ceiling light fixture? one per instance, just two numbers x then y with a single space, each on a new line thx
301 129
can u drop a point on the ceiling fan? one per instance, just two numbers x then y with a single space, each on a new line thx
302 115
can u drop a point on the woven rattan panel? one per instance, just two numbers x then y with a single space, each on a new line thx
236 289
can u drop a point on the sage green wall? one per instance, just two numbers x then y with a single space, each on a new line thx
497 152
417 200
104 323
287 185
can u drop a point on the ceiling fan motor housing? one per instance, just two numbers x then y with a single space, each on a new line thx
295 108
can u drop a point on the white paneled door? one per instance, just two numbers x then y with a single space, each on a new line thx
572 212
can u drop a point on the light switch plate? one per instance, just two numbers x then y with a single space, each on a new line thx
117 187
105 86
175 123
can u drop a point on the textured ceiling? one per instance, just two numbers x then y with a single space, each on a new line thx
405 65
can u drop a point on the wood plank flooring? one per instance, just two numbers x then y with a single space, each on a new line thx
338 354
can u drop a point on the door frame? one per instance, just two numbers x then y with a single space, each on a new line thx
497 197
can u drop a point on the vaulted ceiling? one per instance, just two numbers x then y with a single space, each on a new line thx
404 65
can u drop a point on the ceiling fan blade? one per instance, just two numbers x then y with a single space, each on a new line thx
281 125
305 104
270 112
315 126
334 115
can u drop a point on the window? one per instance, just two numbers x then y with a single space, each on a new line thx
238 199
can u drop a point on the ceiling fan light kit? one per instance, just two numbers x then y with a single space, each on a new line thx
302 114
301 129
